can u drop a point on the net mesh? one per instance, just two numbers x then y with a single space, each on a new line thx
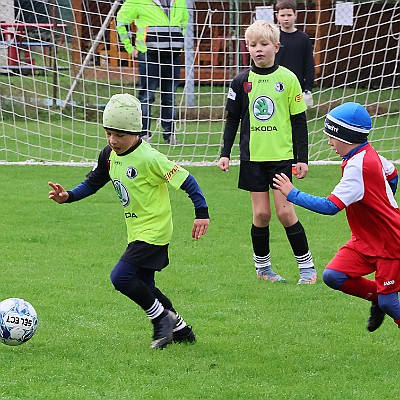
60 61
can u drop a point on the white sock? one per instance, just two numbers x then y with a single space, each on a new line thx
180 323
305 261
155 310
262 261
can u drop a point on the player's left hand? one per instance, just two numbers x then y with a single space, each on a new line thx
282 183
302 169
199 227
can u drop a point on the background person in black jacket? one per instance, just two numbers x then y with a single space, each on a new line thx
295 52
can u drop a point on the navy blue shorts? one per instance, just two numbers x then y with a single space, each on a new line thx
256 176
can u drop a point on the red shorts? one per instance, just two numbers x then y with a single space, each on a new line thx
350 262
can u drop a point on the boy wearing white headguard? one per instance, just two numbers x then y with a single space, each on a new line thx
366 191
140 175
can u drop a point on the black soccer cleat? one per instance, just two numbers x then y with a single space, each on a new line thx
163 331
184 335
376 318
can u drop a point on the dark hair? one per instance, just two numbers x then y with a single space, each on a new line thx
286 4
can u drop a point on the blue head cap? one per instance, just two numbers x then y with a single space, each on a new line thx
349 123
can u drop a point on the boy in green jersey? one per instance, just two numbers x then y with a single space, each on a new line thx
140 175
266 101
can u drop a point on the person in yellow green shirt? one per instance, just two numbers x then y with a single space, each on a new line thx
140 175
266 101
158 44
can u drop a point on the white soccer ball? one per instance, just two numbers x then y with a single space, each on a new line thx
18 321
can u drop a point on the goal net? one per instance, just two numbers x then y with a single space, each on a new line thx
60 61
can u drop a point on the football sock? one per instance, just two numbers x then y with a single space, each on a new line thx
298 241
305 261
260 240
262 262
156 311
360 287
166 302
180 323
397 322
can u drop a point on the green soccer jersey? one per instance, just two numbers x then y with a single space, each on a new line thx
140 179
272 100
264 101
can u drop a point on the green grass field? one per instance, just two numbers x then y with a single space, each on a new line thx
255 340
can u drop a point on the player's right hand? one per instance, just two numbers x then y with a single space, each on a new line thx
58 194
223 164
282 183
200 227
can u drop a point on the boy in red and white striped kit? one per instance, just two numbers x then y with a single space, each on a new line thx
366 191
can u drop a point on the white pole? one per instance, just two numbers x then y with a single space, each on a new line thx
189 56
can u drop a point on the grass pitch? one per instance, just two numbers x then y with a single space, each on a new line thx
255 340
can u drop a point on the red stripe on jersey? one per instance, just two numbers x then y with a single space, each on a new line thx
337 201
392 175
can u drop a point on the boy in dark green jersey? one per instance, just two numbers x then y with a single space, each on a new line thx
140 175
266 101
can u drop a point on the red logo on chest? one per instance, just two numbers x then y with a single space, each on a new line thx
247 86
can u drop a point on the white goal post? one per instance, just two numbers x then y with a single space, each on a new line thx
60 61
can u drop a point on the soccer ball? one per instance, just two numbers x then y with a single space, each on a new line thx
18 321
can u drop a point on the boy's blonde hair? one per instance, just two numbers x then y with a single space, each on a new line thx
262 30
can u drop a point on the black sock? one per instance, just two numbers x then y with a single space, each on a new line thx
164 300
260 240
297 239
